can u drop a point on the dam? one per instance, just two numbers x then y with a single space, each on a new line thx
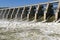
42 12
31 22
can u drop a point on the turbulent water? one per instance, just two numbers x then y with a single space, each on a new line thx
23 30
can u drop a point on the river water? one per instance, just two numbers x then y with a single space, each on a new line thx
24 30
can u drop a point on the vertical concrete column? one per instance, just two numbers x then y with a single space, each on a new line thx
7 10
17 13
39 14
31 14
28 15
46 11
8 13
49 13
4 13
1 14
50 16
36 14
12 12
22 15
57 14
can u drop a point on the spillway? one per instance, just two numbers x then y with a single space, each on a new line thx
32 22
47 12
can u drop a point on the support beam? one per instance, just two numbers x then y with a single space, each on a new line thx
19 13
4 13
57 14
39 13
31 14
49 15
28 15
24 13
9 14
4 16
45 12
14 13
1 14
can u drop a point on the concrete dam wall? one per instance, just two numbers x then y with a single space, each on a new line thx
31 22
43 12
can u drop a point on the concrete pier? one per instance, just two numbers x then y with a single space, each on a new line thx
31 13
5 13
24 13
19 12
49 13
9 14
57 14
39 14
14 13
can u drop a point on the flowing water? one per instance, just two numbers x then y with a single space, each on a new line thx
24 30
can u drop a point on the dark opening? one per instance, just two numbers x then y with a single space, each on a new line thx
19 13
9 15
25 13
14 13
32 13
